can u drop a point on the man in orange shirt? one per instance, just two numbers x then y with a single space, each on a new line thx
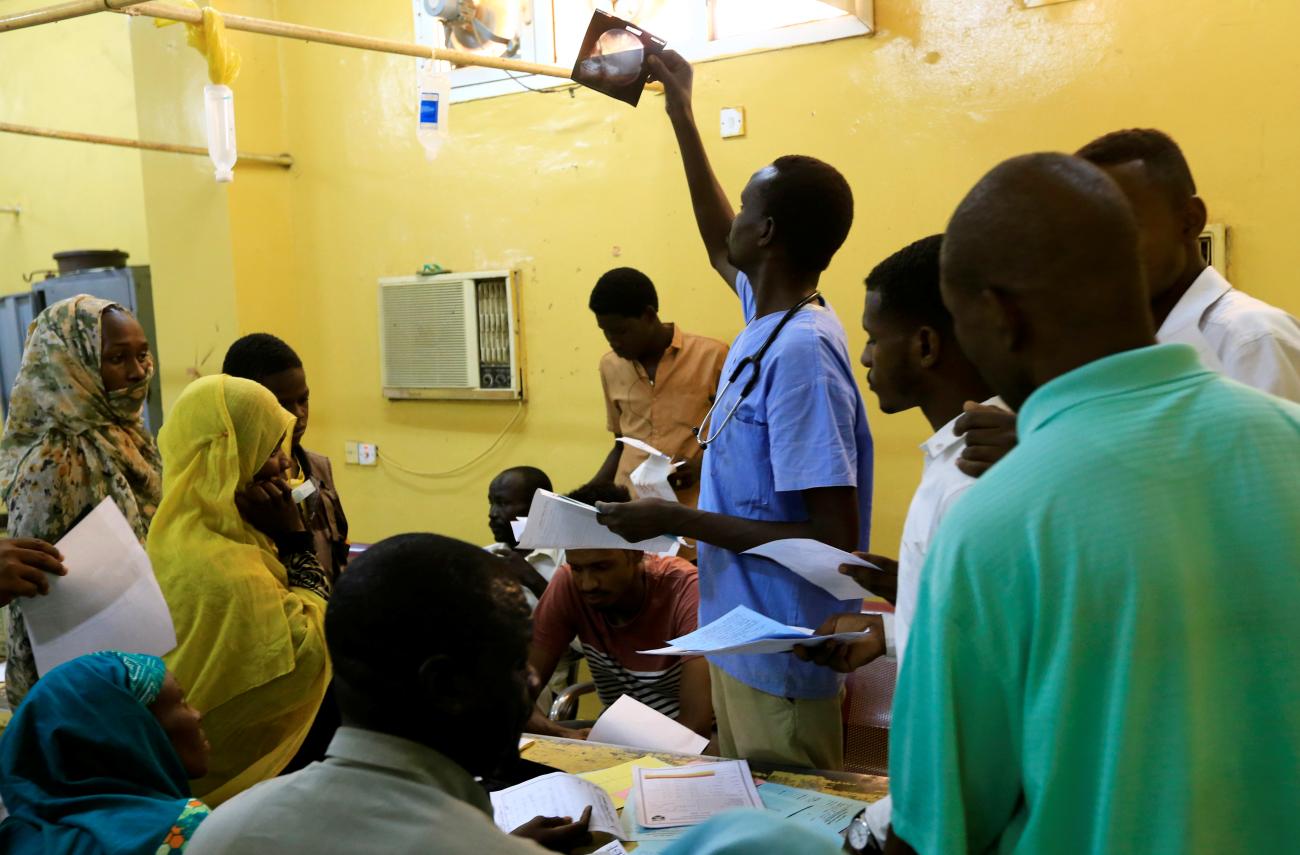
659 381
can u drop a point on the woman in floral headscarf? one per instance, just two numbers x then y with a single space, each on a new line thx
74 435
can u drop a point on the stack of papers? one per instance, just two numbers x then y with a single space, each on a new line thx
558 522
630 722
617 780
556 794
650 479
744 630
818 563
689 795
109 600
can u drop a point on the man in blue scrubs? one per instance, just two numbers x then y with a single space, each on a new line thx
788 455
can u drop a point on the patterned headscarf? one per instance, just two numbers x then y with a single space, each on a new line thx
86 767
68 442
144 674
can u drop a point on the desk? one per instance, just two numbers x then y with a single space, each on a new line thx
574 756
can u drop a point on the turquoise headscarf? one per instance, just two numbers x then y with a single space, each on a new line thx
86 768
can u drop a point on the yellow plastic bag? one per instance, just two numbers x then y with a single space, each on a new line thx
209 39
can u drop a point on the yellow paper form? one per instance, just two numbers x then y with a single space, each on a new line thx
617 780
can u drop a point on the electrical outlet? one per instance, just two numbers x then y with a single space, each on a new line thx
367 453
732 122
350 452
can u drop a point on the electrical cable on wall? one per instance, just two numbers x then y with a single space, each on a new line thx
519 411
564 87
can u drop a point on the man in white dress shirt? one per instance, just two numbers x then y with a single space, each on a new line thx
1234 333
913 361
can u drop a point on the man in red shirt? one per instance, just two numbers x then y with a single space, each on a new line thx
617 602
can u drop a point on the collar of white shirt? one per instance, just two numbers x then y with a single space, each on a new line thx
946 437
1204 292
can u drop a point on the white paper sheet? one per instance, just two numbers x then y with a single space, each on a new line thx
826 814
558 522
743 630
556 794
818 563
630 722
517 527
612 848
689 795
650 479
109 600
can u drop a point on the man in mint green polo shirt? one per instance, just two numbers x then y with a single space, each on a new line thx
1106 655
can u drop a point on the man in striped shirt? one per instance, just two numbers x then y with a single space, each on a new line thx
617 602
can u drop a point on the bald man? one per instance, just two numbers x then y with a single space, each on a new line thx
1080 678
1234 333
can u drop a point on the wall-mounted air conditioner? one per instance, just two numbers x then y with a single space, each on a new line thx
451 336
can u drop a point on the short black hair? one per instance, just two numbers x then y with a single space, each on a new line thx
404 600
590 494
259 355
534 479
908 284
625 292
1157 150
812 206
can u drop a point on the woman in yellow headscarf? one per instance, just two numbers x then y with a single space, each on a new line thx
248 598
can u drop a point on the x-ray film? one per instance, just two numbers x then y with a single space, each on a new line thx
612 59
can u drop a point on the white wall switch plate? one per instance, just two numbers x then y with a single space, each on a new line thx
350 452
733 122
367 453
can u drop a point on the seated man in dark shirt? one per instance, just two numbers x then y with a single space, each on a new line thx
617 602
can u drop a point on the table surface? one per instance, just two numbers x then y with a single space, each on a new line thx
575 755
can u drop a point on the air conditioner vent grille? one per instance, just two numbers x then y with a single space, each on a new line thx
425 345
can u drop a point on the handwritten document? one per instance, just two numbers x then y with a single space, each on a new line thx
826 813
630 722
818 563
743 630
109 600
611 848
689 795
556 794
558 522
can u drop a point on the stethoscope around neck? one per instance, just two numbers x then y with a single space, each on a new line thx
754 360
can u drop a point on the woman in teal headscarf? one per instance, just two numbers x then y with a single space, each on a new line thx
98 761
74 435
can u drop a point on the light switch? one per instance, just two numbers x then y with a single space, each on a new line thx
733 122
350 452
367 453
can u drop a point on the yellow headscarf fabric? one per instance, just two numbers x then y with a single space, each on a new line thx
250 650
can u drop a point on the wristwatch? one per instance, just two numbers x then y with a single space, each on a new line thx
858 839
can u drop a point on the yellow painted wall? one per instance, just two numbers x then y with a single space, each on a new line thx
71 76
222 251
563 187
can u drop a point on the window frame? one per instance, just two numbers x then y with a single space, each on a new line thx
474 84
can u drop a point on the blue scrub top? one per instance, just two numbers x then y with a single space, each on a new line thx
803 426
